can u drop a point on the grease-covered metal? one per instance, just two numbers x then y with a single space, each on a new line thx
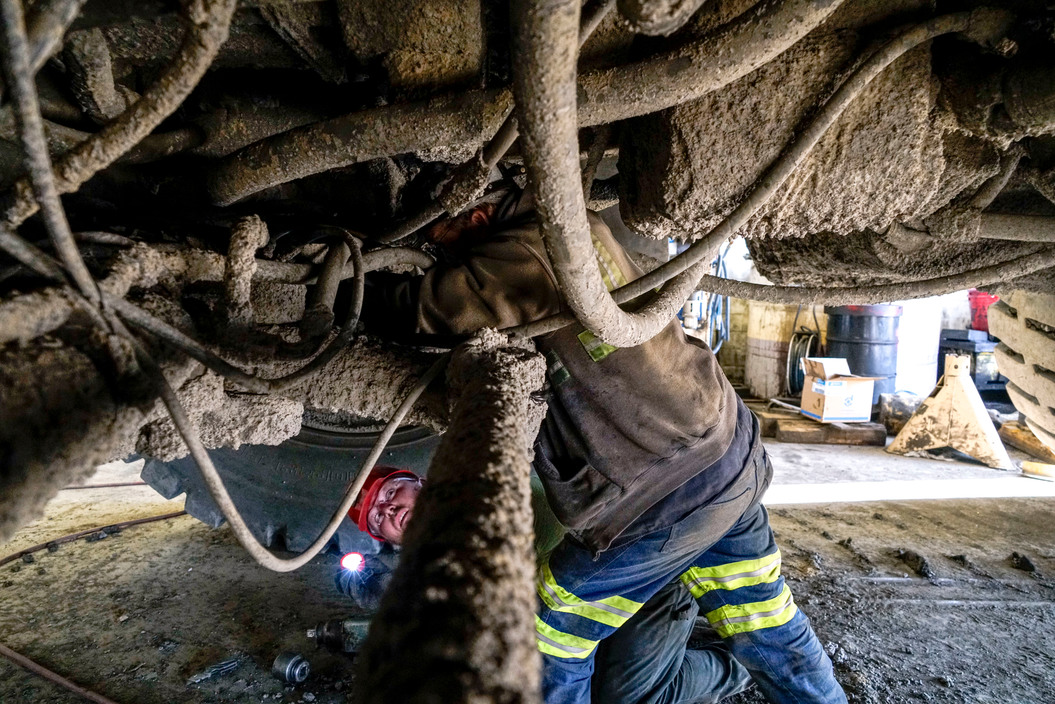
461 604
465 121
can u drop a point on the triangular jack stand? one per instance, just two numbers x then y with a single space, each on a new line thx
953 416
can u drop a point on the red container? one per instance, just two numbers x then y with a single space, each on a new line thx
980 302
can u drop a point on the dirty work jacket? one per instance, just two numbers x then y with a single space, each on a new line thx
625 427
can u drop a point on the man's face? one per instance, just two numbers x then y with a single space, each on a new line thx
464 229
387 518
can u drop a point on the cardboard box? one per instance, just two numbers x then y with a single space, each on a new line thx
831 394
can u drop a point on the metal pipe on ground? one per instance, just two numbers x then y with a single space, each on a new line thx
37 669
461 604
667 79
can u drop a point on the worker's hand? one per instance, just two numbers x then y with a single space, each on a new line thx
366 586
465 229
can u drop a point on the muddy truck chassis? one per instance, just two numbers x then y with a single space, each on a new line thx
195 194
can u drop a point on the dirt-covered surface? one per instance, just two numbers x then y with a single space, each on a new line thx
927 601
916 601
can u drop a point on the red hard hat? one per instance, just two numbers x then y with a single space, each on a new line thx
368 493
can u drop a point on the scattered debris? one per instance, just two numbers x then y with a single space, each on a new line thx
167 647
220 668
919 564
961 560
1021 562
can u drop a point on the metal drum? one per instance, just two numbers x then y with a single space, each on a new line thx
867 337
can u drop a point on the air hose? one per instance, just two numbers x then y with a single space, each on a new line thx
803 343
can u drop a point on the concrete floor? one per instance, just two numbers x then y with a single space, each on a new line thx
914 599
826 473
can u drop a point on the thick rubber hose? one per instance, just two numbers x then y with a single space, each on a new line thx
545 89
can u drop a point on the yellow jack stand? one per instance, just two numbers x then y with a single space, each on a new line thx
953 416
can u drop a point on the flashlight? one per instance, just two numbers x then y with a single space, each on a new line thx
353 562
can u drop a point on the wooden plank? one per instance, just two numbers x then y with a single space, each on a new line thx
1039 470
800 430
769 417
810 431
1019 435
856 434
768 420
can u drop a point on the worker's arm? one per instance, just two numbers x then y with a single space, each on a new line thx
503 281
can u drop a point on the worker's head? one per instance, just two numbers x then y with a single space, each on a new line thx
465 229
386 503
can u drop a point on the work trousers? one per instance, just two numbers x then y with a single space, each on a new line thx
646 659
724 553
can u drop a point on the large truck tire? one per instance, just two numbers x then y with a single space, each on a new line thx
287 494
1024 322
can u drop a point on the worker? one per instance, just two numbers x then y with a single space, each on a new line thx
656 636
651 462
386 503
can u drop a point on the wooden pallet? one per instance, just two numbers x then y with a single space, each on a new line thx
770 420
810 431
769 417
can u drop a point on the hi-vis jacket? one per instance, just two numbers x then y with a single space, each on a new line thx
625 427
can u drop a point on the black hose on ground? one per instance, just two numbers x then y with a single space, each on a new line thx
69 538
37 669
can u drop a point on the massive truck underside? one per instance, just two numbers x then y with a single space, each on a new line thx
223 169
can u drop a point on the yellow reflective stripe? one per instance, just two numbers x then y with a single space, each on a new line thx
610 272
559 644
744 618
746 573
595 346
613 611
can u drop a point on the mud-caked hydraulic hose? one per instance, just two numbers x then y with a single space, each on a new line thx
546 96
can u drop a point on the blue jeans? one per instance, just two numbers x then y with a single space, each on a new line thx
724 553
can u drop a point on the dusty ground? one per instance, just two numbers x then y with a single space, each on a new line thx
949 619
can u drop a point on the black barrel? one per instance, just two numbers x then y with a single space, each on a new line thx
867 337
